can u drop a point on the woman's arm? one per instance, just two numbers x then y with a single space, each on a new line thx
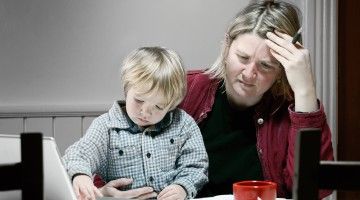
296 62
315 119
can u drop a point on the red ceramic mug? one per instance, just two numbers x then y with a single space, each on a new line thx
254 190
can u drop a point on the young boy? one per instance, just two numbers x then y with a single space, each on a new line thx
146 138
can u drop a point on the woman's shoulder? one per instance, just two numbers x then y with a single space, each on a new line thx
200 79
198 74
195 72
200 93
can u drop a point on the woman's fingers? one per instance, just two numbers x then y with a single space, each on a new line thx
134 193
112 189
282 41
163 192
97 192
278 57
287 37
121 182
283 35
169 196
282 54
172 192
147 196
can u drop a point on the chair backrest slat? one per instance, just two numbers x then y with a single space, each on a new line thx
306 183
28 174
339 176
311 174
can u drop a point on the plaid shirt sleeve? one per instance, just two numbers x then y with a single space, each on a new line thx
193 161
88 155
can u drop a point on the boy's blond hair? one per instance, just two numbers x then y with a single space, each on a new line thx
155 69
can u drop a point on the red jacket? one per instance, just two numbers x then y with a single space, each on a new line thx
276 128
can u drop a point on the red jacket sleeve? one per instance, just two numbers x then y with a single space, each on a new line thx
315 119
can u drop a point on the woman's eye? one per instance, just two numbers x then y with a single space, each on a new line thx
159 107
266 66
243 58
138 101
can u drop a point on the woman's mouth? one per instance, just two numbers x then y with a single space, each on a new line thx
246 84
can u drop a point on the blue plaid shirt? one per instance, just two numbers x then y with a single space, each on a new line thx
170 152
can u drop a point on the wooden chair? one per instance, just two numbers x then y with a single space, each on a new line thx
311 174
27 175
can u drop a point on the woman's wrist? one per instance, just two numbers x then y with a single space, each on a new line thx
306 101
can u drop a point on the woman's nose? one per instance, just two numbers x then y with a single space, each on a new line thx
250 71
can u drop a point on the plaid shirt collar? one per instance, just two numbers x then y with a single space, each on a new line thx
121 121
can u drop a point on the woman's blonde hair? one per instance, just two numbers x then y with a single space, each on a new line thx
155 69
259 18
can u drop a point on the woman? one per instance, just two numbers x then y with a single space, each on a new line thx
253 100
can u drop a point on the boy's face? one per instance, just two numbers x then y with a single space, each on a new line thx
145 109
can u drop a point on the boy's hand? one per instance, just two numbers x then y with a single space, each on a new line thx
84 188
111 189
172 192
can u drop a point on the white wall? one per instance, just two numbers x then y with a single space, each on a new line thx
66 54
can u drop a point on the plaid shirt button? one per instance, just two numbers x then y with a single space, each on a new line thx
172 141
148 155
121 152
151 179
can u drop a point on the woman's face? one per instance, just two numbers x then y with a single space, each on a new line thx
250 70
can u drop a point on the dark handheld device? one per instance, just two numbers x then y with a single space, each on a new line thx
296 36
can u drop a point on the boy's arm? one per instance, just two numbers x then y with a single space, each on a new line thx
88 154
193 162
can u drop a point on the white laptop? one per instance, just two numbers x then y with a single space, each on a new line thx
57 185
